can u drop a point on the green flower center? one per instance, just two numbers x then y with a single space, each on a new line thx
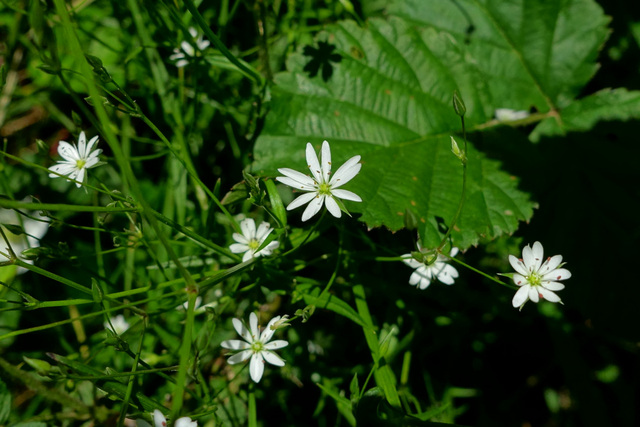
80 164
535 279
324 189
257 346
253 244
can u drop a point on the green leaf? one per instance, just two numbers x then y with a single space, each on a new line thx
344 405
582 115
5 403
536 53
390 99
335 304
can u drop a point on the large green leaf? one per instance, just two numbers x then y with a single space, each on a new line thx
388 99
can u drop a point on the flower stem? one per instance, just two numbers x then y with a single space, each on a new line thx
464 189
482 273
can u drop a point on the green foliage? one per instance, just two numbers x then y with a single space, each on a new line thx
123 306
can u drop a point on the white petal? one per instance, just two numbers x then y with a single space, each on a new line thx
557 274
548 295
240 238
520 280
193 32
158 419
518 265
267 333
300 178
411 262
446 274
242 330
454 252
346 172
238 248
248 227
185 422
82 145
256 367
247 256
90 145
263 231
538 255
274 345
550 264
303 199
312 208
61 168
268 249
325 158
333 207
521 296
346 195
253 324
91 162
272 358
68 151
533 294
528 258
80 177
295 184
312 162
235 345
239 357
552 286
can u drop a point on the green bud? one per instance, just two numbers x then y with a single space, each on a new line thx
34 253
41 366
458 104
455 149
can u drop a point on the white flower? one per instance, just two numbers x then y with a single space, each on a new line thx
255 345
251 239
535 278
320 189
509 115
186 51
119 323
35 230
438 269
160 421
76 159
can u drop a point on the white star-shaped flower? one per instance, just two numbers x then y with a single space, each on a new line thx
537 279
251 239
256 346
321 188
186 52
77 159
437 269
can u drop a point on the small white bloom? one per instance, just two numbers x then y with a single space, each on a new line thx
159 420
35 230
535 278
119 323
438 269
251 239
186 52
320 189
509 115
255 345
77 159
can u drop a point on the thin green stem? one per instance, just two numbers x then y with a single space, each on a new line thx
462 195
482 273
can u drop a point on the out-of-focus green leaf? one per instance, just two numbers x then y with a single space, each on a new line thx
582 115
